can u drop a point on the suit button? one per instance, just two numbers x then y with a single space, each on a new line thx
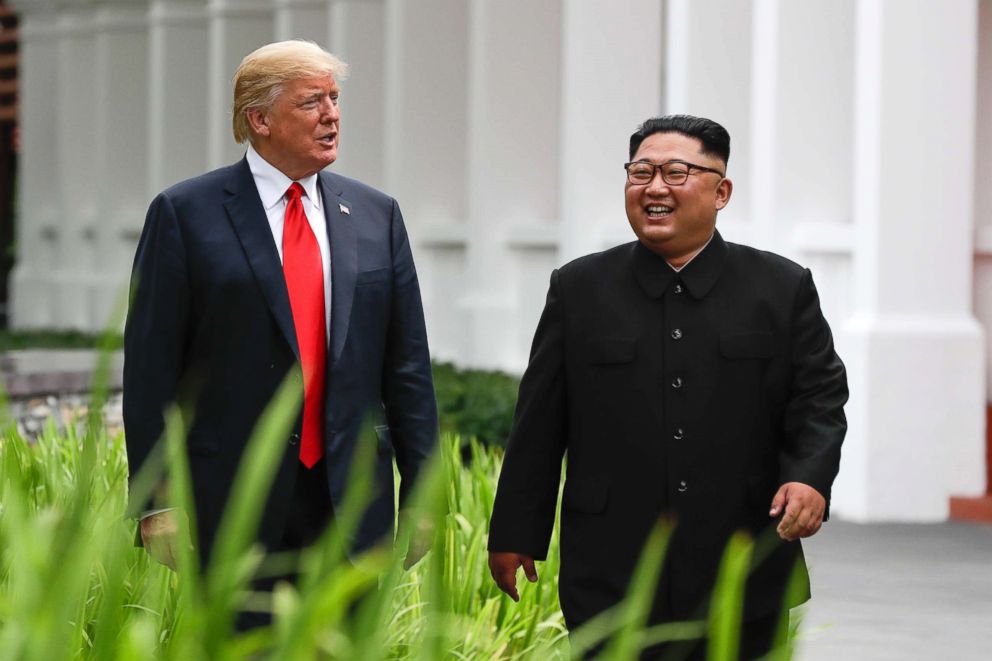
683 487
677 334
679 434
677 382
294 438
678 289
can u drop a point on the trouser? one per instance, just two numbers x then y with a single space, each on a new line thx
757 638
310 512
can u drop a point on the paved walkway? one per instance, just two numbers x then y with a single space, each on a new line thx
899 591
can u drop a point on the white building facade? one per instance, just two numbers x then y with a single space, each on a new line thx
861 147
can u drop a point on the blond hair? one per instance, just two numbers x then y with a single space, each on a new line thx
262 76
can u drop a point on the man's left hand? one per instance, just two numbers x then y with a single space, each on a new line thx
803 506
419 530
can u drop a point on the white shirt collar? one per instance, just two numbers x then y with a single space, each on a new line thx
694 255
272 184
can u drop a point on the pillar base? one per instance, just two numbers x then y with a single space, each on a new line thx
978 509
972 509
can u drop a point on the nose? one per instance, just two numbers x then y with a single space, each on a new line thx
329 111
657 184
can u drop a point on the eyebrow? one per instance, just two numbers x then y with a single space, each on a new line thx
315 95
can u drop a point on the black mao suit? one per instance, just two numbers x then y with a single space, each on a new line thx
695 393
210 324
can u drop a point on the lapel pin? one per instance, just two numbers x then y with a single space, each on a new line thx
345 210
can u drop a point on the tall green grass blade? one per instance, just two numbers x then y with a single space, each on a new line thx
727 605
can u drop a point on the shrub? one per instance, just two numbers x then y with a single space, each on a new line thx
475 403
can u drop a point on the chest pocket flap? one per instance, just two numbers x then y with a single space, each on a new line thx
610 351
754 344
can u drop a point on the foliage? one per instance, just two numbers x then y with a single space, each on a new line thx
471 403
475 403
53 339
73 585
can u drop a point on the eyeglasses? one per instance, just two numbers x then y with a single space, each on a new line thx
673 173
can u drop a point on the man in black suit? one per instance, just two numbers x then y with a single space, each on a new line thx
267 267
686 377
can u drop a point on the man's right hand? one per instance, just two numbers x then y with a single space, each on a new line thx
503 567
160 537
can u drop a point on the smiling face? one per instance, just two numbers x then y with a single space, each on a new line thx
676 221
299 133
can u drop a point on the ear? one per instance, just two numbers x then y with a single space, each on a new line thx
723 191
258 120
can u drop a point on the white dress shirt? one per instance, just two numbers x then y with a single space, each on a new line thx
272 185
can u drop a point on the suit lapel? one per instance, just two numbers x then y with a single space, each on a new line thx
342 217
245 211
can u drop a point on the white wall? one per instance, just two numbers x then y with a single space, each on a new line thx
862 147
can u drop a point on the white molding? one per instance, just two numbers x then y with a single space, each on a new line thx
534 235
818 237
443 235
983 241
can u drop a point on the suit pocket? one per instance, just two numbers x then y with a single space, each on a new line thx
200 444
756 344
384 439
369 277
588 495
606 352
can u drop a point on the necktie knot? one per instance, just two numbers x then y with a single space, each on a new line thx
294 192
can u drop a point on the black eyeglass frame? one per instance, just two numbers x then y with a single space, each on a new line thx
658 168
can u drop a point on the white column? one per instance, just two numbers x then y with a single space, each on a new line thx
426 168
914 351
75 180
983 186
33 302
357 34
177 93
512 170
709 55
801 140
121 122
612 80
301 19
237 27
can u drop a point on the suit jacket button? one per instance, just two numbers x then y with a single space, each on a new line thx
679 434
294 438
677 334
677 382
678 289
683 487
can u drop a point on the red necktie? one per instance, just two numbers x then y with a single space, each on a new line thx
305 282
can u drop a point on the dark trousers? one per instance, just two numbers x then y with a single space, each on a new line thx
757 638
309 514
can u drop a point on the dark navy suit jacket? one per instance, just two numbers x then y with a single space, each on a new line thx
210 326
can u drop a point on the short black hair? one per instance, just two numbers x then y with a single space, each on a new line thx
714 138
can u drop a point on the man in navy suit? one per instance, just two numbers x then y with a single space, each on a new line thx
263 268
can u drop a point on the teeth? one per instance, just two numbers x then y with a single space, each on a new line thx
658 208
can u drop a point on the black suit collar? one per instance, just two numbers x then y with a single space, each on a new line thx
247 216
655 275
342 231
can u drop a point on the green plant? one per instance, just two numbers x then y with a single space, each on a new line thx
475 403
53 339
73 586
